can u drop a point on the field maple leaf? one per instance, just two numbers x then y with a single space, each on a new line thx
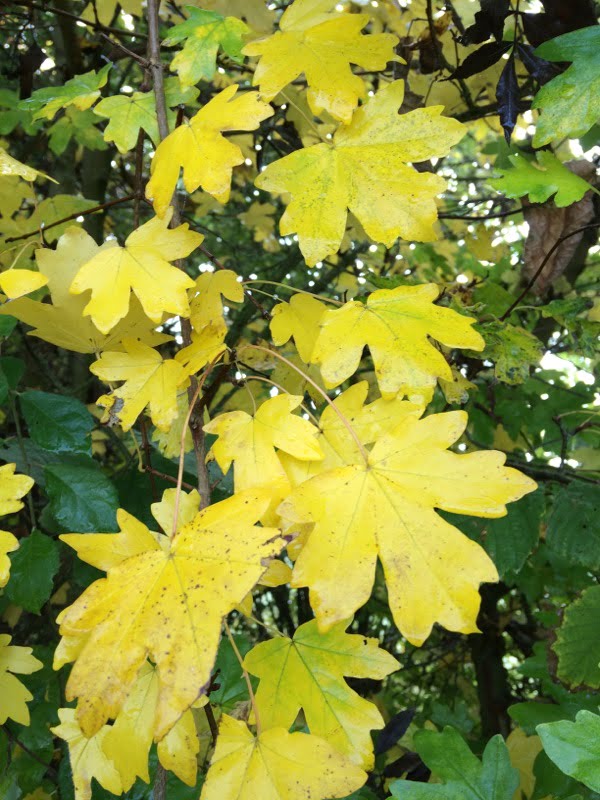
308 672
206 305
13 695
164 600
86 754
149 379
316 41
204 32
81 91
62 322
252 442
199 147
12 489
276 765
386 508
141 266
396 325
299 320
8 544
365 168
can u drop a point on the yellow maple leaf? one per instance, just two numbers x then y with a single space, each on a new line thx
386 508
396 324
149 379
12 489
169 441
141 266
322 45
127 743
165 602
276 765
13 695
199 147
206 305
369 423
62 322
8 544
88 760
365 168
252 442
10 166
17 282
299 319
207 344
308 672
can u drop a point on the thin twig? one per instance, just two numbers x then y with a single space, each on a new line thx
238 655
97 26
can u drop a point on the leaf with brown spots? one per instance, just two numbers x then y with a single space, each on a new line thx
163 600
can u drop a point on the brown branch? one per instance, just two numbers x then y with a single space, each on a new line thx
545 260
84 213
475 218
97 26
165 477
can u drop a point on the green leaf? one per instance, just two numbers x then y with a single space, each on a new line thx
573 531
465 777
78 125
566 310
578 641
512 349
33 567
128 113
540 180
81 91
58 423
570 103
575 747
82 498
205 32
508 540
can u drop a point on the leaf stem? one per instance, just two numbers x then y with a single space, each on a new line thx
238 655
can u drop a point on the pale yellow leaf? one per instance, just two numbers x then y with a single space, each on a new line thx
13 695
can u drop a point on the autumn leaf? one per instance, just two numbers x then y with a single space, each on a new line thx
165 602
251 443
149 379
298 320
8 544
87 757
12 489
204 32
13 695
307 672
198 147
276 765
397 325
128 113
17 282
337 422
62 322
80 91
365 169
321 44
127 743
142 265
206 346
10 166
206 305
386 508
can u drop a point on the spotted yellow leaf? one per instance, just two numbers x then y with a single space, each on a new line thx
276 765
62 322
165 602
320 43
307 672
142 266
13 695
299 319
149 380
366 169
397 325
199 148
206 346
88 759
385 507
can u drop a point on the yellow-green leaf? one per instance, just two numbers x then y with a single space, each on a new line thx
365 169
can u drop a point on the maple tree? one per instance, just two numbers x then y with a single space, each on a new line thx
299 477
